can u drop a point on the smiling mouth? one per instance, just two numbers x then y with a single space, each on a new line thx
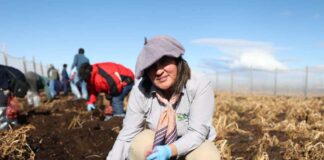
162 79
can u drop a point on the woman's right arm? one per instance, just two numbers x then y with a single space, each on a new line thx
132 125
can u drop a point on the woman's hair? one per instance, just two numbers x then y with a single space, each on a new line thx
183 76
85 71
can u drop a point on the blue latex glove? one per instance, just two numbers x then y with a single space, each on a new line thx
90 107
160 153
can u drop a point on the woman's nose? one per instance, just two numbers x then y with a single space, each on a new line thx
159 69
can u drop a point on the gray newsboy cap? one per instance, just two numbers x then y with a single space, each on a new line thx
154 49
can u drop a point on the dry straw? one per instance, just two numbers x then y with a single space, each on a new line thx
77 122
296 126
13 144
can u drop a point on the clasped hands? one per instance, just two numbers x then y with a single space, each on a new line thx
163 152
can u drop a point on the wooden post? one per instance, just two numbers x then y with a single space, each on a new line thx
24 65
275 82
216 85
4 52
306 82
34 64
41 67
232 82
251 80
5 58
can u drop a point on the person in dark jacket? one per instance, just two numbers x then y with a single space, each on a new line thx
78 60
12 84
65 79
111 78
36 83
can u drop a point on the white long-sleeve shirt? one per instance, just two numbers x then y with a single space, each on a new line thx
194 117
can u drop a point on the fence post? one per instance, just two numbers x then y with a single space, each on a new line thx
5 58
6 55
2 47
306 82
232 82
275 82
251 80
216 83
34 64
24 65
41 67
2 50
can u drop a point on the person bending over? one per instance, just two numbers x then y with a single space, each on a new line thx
12 84
111 78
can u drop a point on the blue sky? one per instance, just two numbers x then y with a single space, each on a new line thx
262 34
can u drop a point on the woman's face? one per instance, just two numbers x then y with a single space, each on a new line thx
163 73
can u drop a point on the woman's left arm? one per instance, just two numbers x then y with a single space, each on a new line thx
133 123
200 119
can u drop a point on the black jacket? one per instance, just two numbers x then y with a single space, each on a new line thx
6 78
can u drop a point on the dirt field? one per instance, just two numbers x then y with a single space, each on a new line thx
263 127
63 129
249 127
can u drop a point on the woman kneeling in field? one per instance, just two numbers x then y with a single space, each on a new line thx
174 105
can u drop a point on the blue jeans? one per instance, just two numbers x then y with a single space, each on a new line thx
75 90
52 88
84 90
118 101
65 84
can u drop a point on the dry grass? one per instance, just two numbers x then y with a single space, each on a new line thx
77 122
13 144
248 127
276 127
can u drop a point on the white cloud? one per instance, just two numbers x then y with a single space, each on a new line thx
242 53
258 60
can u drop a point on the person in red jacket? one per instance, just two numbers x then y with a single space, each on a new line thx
13 84
111 78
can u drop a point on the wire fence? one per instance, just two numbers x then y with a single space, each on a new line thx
22 64
306 82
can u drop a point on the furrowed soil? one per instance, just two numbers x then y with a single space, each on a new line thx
65 130
248 127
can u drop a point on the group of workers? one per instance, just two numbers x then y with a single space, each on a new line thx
169 112
115 80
